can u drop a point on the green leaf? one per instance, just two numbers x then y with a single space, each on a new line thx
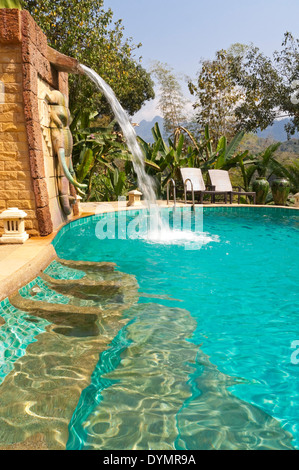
11 4
233 145
180 145
151 164
222 144
208 140
86 164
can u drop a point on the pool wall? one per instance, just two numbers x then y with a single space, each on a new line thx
23 264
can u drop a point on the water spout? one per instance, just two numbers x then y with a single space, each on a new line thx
145 182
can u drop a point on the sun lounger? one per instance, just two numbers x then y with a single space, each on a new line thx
220 180
194 183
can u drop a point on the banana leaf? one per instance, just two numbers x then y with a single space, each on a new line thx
222 144
11 4
152 165
233 145
208 141
85 165
180 145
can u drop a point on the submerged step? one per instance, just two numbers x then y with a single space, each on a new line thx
18 331
89 265
76 321
90 286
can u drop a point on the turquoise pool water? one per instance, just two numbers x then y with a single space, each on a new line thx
235 301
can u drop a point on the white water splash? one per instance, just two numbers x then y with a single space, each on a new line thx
169 236
145 182
159 231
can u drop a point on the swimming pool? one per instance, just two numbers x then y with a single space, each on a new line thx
205 360
201 357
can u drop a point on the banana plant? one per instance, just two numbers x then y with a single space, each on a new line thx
96 149
289 171
223 157
168 158
109 186
247 171
265 161
263 164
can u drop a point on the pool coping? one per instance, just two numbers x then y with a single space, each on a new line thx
23 264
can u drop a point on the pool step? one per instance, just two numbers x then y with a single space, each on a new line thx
84 288
88 265
79 305
18 301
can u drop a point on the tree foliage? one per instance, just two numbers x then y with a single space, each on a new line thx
217 96
287 65
243 89
171 102
255 74
86 31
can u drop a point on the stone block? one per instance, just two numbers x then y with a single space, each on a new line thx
36 162
29 78
20 165
41 192
15 146
24 195
45 224
8 175
30 106
29 53
28 27
14 185
34 135
11 32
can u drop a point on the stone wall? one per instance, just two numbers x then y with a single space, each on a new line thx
27 167
16 189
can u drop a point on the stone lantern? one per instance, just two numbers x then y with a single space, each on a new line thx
78 201
296 200
14 226
134 198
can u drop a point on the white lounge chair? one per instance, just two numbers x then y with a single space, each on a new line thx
221 182
193 182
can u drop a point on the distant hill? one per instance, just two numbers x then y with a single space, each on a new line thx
144 129
277 131
274 132
255 143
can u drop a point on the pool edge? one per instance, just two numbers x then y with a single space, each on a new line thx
27 260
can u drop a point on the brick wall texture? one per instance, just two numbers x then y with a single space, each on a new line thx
23 60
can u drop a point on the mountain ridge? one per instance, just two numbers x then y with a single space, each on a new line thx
275 132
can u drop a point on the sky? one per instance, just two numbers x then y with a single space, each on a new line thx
182 32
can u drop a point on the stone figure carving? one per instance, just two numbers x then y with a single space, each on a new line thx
62 142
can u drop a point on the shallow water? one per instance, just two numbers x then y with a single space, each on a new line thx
234 310
199 358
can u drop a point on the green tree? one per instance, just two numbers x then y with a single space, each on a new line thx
171 102
255 74
243 89
287 65
86 31
217 96
267 83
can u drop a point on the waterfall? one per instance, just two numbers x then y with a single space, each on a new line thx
145 182
158 230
